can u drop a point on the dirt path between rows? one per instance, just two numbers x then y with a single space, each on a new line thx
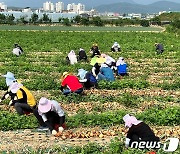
22 139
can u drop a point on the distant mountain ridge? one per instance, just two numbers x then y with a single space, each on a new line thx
126 7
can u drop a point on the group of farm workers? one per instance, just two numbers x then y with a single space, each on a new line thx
49 113
104 67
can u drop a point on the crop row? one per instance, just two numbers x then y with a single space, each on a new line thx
50 83
65 41
116 146
156 115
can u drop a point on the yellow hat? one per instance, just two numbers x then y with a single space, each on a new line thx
95 44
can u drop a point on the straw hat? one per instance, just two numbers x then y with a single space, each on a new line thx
64 75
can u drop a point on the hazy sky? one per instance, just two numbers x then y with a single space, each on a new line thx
88 3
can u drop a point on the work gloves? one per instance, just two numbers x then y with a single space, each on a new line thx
54 132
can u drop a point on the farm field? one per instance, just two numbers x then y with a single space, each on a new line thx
77 28
151 91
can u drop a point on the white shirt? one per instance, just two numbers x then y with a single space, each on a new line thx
109 60
56 108
17 51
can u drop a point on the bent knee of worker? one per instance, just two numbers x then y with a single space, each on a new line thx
17 105
18 108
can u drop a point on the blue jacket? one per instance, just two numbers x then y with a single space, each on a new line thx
122 68
108 73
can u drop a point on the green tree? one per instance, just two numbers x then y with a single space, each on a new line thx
85 21
34 18
10 19
60 19
66 22
119 22
23 20
144 23
77 19
176 23
45 18
2 19
97 21
156 20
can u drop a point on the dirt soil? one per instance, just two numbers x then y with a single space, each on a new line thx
22 139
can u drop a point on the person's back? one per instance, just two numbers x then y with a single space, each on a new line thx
143 131
82 54
122 68
30 98
17 51
96 69
159 48
89 76
108 73
95 50
91 81
72 57
72 82
19 47
115 47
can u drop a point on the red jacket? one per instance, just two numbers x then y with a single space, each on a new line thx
72 82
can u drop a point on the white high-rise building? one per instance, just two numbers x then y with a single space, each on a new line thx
69 7
3 6
48 6
79 8
59 6
52 7
74 7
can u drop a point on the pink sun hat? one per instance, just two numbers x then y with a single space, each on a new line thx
44 105
14 87
130 120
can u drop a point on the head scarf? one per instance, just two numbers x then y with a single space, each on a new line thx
82 73
71 53
130 120
115 44
120 61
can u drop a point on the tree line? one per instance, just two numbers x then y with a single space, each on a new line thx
77 20
86 21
